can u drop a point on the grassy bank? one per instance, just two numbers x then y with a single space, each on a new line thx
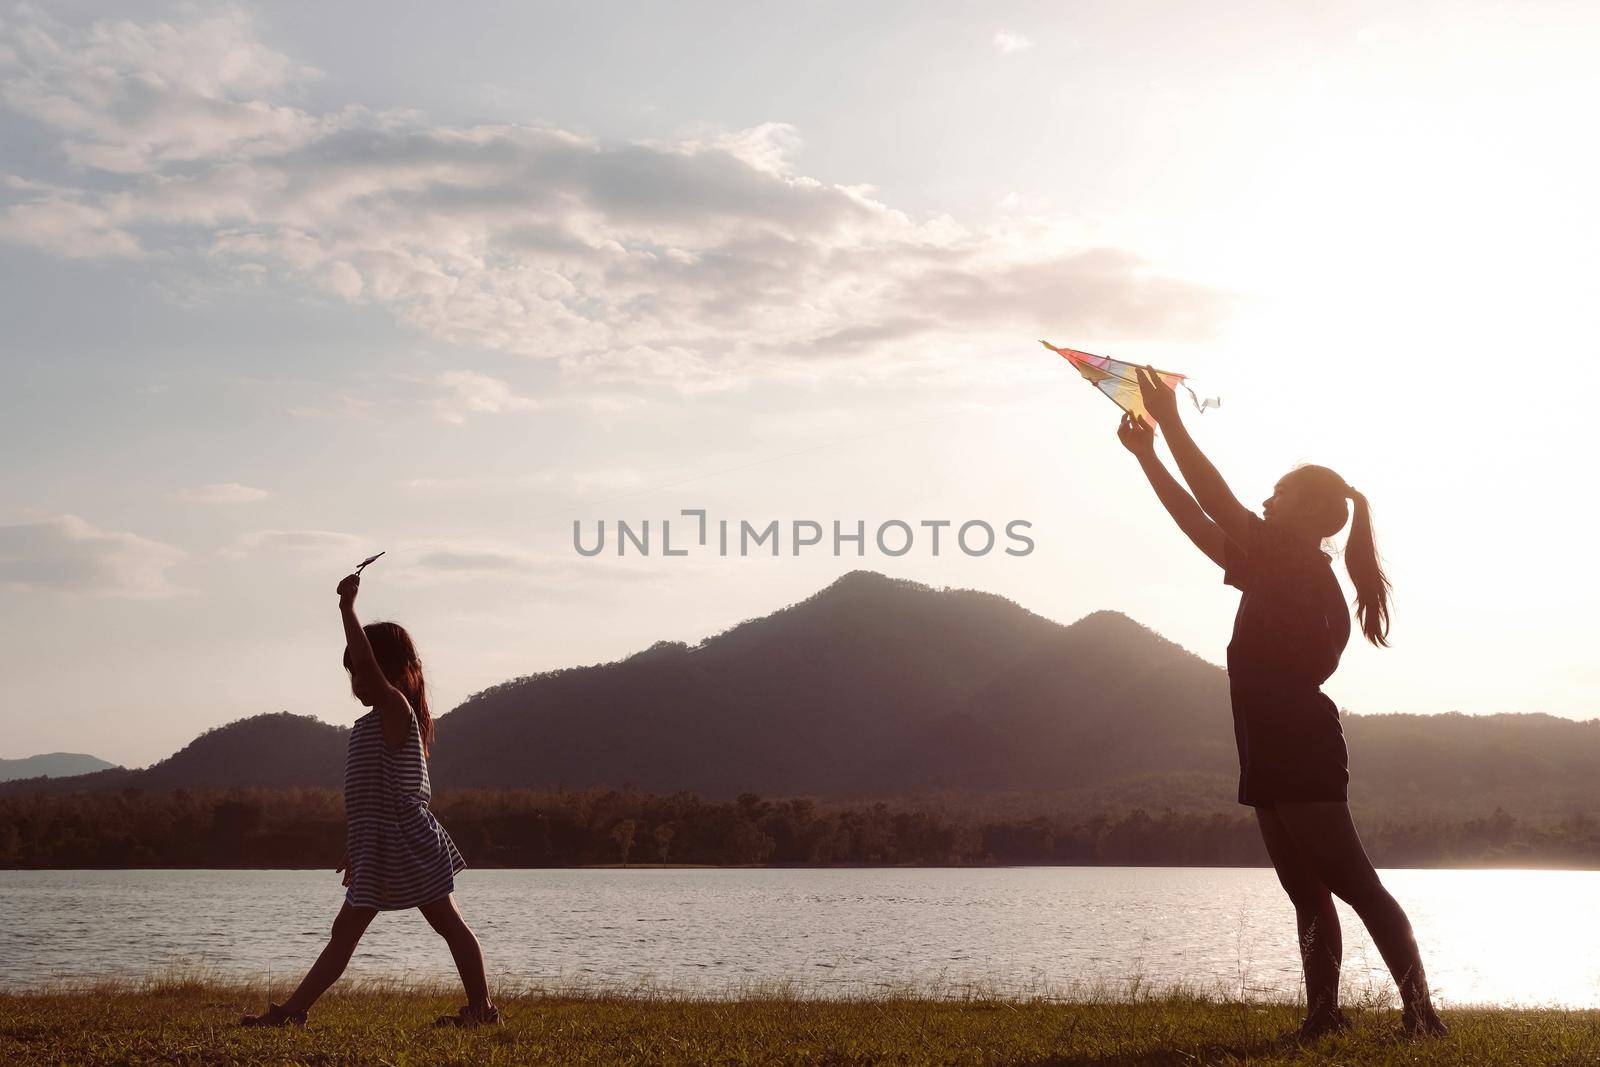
191 1021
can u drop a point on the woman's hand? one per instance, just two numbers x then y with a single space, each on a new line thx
347 590
1137 436
344 865
1159 398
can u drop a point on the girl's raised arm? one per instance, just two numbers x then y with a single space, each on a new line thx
1210 491
394 712
1137 437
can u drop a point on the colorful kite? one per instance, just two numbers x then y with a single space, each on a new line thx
1120 381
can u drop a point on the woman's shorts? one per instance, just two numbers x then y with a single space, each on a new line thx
1291 746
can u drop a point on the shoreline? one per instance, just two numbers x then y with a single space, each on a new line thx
853 867
1070 993
189 1019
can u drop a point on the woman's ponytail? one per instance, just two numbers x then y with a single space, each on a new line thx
1366 573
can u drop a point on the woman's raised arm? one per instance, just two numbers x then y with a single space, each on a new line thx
1137 437
1210 491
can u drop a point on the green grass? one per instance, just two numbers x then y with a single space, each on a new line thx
193 1020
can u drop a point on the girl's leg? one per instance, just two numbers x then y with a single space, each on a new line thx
1326 835
348 926
446 920
1321 940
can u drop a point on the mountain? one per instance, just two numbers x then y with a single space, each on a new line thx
51 765
275 751
873 684
272 751
878 687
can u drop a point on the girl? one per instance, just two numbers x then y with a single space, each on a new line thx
396 855
1291 627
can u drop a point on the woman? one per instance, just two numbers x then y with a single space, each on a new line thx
1290 630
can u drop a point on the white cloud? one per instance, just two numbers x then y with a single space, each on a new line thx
221 493
458 563
568 482
64 553
468 392
423 561
340 407
696 263
459 393
317 544
64 224
127 95
1008 42
456 560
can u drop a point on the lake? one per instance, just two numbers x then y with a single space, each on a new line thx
1501 937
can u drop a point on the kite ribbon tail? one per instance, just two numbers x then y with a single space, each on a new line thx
1199 404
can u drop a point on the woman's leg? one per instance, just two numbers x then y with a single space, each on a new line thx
1324 833
1321 940
348 926
446 920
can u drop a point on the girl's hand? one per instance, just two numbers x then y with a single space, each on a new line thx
1137 436
347 589
1160 399
344 865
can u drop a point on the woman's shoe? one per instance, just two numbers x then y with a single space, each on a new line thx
1423 1022
1322 1024
275 1015
487 1015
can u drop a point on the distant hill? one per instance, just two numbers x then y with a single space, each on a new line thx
273 751
51 765
881 687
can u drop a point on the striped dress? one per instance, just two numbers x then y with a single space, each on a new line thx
400 857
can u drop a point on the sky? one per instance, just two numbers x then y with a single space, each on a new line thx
290 284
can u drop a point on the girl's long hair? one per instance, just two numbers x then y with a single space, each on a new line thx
1360 550
397 658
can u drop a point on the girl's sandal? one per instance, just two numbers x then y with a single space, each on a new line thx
275 1016
468 1016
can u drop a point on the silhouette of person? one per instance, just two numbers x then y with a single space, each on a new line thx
1290 630
397 855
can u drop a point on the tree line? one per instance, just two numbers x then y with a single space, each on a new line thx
304 828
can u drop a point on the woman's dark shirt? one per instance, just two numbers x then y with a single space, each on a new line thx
1292 624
